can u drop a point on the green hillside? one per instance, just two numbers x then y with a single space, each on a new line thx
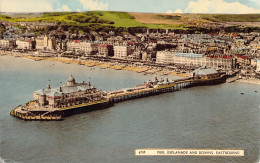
100 20
116 19
231 17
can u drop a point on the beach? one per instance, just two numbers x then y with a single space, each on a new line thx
146 70
103 64
250 81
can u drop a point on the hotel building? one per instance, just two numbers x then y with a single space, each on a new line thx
122 51
188 59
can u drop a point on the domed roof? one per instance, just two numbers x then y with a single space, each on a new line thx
71 78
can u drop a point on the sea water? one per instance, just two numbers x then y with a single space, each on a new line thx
206 117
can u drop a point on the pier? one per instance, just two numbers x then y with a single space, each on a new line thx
90 99
40 115
146 90
155 88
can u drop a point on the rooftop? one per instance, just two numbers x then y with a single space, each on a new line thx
66 88
190 55
56 92
205 71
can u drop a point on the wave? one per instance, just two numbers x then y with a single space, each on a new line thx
7 161
2 160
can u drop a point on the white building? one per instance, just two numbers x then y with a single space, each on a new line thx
49 42
40 43
164 57
188 59
24 44
122 51
105 50
88 47
4 43
258 65
73 45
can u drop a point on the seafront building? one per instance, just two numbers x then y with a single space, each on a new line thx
25 44
40 43
136 55
243 60
122 51
105 50
50 43
73 45
188 51
69 94
206 73
61 45
88 48
4 43
258 65
192 59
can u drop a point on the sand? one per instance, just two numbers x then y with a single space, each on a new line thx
251 81
90 63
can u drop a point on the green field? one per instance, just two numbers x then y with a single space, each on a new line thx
108 19
231 17
116 19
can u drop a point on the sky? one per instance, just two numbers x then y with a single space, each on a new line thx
150 6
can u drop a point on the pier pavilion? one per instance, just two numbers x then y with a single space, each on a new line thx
69 94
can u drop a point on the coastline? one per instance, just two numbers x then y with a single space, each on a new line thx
116 66
249 81
112 65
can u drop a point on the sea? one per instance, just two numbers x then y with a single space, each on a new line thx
224 116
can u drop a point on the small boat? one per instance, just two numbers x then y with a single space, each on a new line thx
242 93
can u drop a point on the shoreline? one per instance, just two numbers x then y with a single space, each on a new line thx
112 65
249 81
145 70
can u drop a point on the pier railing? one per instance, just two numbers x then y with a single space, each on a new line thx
136 92
84 104
149 91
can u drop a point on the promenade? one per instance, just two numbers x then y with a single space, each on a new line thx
139 68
